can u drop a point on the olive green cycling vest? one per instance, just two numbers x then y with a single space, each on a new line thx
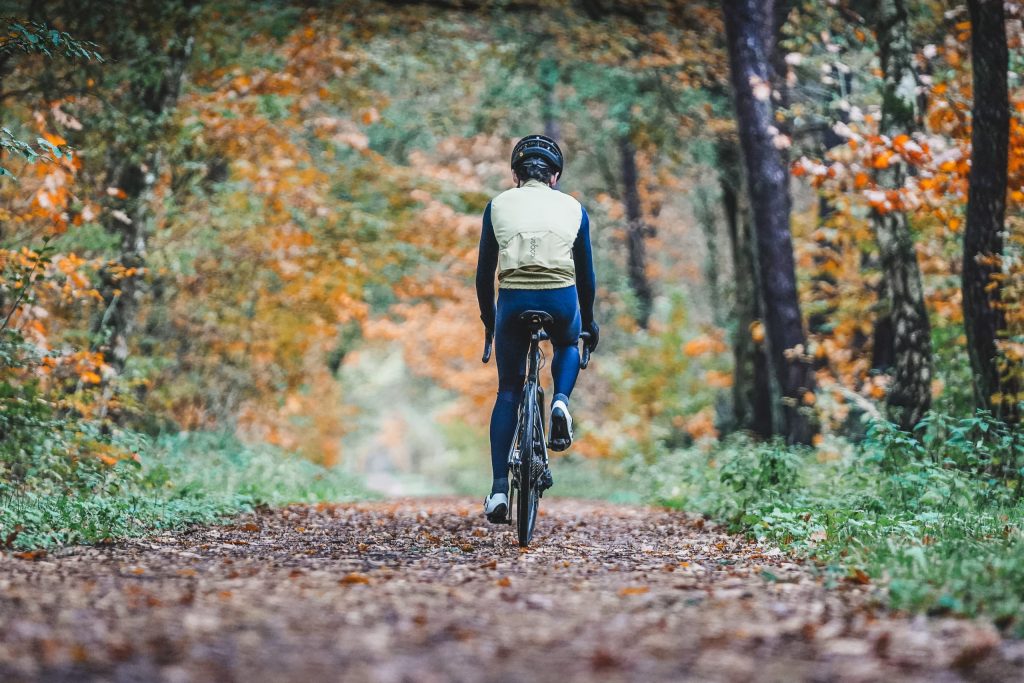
535 227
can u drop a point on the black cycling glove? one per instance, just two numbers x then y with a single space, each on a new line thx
595 334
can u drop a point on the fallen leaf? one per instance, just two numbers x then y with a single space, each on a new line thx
858 576
603 659
354 578
31 555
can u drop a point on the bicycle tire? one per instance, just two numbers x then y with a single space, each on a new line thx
526 507
513 472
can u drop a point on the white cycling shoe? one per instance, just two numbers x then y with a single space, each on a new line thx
561 426
496 508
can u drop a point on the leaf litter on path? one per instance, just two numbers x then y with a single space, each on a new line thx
424 590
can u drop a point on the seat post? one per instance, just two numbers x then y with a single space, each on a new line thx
535 321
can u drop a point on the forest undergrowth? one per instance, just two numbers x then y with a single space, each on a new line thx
933 519
200 292
49 499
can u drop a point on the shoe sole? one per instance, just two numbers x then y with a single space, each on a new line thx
560 437
499 515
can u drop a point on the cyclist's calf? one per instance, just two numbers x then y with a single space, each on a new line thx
565 366
511 388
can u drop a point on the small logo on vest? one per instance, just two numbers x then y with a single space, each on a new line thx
533 248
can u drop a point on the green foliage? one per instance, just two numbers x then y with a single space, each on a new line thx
239 476
982 444
43 150
88 238
590 479
657 383
936 523
48 498
34 37
762 467
953 367
55 486
17 280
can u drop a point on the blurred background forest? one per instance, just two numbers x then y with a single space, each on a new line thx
238 240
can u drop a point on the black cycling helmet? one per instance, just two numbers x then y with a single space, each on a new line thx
537 147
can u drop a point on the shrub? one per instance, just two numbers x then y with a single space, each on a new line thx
935 523
179 480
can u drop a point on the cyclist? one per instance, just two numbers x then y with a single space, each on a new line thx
539 241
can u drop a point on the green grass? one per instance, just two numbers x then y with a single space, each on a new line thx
183 479
592 479
936 525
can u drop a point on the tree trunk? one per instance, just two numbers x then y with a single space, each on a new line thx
121 284
984 319
135 173
705 215
548 75
749 35
909 395
751 388
636 233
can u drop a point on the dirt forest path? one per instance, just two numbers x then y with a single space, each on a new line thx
423 591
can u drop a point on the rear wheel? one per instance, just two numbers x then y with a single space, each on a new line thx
526 510
526 515
514 458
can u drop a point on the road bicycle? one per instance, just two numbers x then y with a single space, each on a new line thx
528 456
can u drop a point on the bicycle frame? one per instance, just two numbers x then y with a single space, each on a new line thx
528 455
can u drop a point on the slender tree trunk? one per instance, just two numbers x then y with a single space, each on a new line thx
909 395
725 414
752 395
984 318
636 233
705 215
748 26
121 285
548 75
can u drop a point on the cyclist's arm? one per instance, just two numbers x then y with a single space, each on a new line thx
487 263
586 279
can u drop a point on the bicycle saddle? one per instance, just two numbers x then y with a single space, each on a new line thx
536 318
